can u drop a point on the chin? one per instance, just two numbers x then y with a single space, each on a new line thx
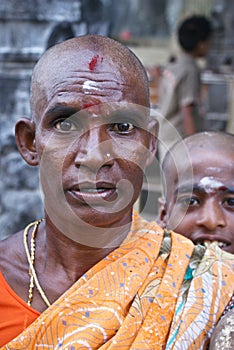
105 219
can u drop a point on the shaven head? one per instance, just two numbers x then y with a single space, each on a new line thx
199 189
93 55
177 163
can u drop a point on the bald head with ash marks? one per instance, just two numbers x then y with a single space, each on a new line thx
94 65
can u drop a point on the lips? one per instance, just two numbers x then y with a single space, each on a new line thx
93 193
222 244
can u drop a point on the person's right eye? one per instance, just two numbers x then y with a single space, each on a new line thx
65 125
189 201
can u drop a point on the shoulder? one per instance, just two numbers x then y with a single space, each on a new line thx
11 251
187 65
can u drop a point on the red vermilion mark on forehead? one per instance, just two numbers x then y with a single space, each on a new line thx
91 106
93 62
87 105
222 188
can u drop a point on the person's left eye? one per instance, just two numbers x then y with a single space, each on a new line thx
65 125
122 128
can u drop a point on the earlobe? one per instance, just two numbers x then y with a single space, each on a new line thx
25 140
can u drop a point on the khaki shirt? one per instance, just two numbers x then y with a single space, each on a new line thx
180 86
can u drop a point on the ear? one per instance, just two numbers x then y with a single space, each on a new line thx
153 140
162 212
25 140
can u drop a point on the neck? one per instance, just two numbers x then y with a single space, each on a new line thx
73 257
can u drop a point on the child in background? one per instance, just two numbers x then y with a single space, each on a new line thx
180 85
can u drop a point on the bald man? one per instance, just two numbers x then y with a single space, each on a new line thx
93 274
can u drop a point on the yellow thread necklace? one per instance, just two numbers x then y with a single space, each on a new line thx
31 259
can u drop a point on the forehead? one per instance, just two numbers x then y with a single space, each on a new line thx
218 160
214 163
86 78
80 60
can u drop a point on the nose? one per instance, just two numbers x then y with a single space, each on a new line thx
94 149
211 215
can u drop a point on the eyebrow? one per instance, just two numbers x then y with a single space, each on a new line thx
130 113
228 190
61 109
186 189
197 188
69 111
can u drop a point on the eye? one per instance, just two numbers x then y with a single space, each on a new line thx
229 202
65 125
189 201
122 128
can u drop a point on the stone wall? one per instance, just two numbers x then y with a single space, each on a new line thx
27 28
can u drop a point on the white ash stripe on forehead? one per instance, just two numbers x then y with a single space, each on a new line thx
209 183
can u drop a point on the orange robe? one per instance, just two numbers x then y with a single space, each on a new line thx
146 294
15 314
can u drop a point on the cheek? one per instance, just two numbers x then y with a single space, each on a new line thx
179 220
131 179
51 160
132 152
51 172
137 172
185 227
132 173
52 151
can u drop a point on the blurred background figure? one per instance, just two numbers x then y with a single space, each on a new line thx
180 84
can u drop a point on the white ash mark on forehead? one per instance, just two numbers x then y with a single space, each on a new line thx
209 183
89 85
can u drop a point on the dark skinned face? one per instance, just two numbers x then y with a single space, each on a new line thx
206 213
92 141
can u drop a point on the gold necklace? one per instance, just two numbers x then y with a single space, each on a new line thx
31 259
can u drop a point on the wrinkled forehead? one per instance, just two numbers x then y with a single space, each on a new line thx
111 76
58 64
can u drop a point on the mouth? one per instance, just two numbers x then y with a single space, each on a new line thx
93 193
224 245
